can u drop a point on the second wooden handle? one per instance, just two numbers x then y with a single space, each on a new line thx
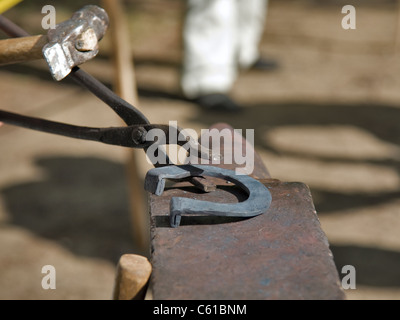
16 50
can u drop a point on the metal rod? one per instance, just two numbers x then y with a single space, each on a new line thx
11 29
116 136
125 110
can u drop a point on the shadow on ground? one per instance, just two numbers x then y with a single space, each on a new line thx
82 204
374 267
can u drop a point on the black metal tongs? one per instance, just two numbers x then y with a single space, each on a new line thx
134 135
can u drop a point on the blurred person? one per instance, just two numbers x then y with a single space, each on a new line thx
220 37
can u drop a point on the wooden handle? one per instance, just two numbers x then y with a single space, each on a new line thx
126 87
21 49
133 274
125 81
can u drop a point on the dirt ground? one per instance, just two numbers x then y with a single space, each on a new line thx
329 117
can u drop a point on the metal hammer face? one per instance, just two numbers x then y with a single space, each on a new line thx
75 41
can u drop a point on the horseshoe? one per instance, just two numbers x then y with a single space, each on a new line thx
258 201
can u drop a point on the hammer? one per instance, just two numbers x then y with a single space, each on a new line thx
70 44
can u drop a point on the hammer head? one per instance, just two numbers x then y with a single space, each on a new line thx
75 41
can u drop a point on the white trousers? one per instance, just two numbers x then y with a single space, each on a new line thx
219 36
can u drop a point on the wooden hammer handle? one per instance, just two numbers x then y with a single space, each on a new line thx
133 274
22 49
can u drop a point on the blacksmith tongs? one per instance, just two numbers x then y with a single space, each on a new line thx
133 135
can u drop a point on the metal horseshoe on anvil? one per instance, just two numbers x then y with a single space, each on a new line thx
258 201
75 41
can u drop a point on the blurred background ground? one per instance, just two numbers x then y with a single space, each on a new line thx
329 117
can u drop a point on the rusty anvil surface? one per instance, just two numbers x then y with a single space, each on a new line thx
281 254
